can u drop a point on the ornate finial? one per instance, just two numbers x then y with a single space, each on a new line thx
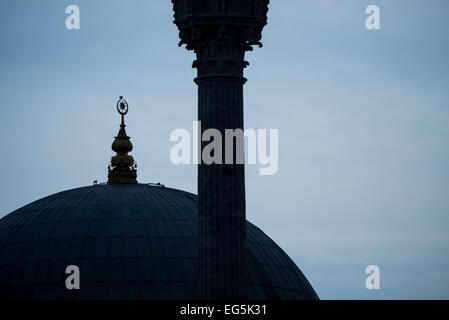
122 106
122 168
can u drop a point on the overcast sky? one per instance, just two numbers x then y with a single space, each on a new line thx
362 116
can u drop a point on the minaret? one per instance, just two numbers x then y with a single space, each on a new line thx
122 169
220 32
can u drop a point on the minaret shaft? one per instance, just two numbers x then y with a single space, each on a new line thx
221 189
220 32
223 266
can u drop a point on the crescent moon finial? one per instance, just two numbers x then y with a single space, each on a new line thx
122 106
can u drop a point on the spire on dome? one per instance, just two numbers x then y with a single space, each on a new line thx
122 169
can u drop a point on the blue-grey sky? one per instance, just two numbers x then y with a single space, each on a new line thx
362 116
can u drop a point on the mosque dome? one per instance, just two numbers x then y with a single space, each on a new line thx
130 241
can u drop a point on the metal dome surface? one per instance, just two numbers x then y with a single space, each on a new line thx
129 242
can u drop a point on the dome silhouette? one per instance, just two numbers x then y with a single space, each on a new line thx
130 241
